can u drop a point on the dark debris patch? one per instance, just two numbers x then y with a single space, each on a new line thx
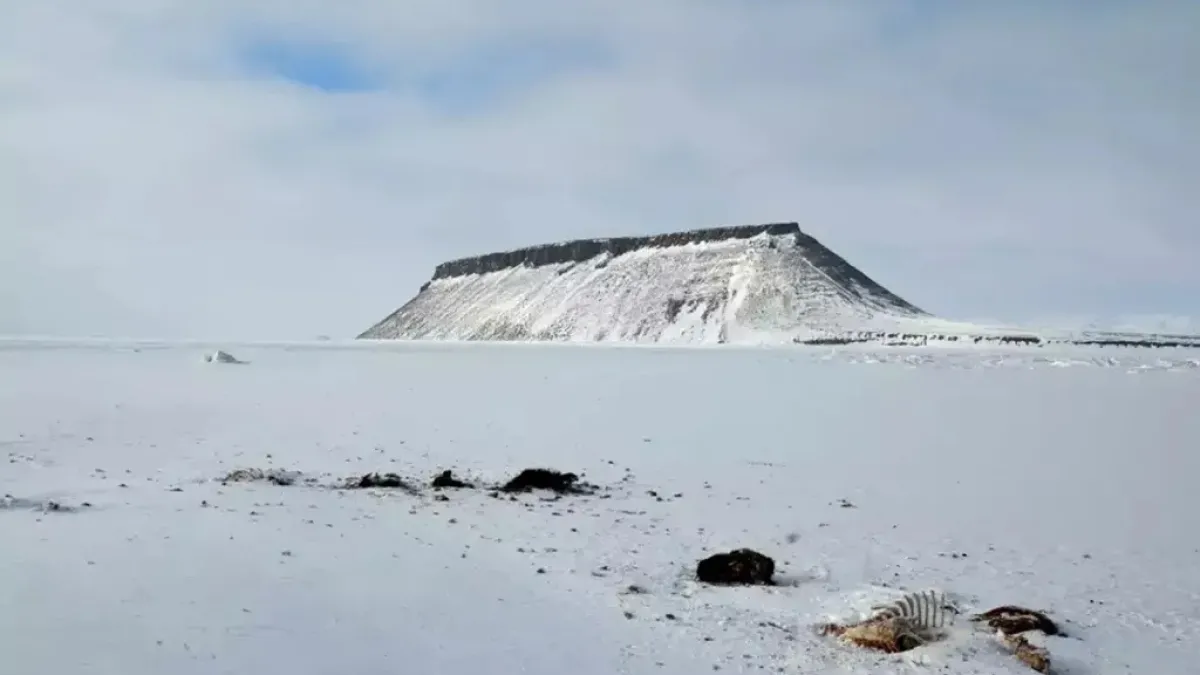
446 479
11 503
742 566
1013 620
379 480
274 476
548 479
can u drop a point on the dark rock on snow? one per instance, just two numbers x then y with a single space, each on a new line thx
380 480
546 479
741 566
446 479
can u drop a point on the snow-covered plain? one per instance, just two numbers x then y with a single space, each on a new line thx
1061 479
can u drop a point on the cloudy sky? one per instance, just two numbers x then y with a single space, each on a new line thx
288 168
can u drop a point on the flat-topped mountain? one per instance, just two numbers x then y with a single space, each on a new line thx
753 283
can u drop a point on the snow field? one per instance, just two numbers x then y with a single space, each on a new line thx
996 477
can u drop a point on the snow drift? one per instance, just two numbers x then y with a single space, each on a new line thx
755 283
221 357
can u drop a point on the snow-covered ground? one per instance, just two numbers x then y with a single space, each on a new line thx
1060 479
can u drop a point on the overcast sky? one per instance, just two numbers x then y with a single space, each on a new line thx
288 168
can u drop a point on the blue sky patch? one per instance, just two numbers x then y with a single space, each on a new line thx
462 82
325 66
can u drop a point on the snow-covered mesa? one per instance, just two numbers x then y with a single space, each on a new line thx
1060 479
746 284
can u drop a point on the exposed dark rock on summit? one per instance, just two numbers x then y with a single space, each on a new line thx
581 250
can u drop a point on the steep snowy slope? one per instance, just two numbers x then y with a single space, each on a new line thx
1062 479
760 283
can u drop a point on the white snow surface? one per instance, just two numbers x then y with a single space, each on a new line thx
761 290
1057 479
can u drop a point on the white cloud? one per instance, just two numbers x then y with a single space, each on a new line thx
1007 159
